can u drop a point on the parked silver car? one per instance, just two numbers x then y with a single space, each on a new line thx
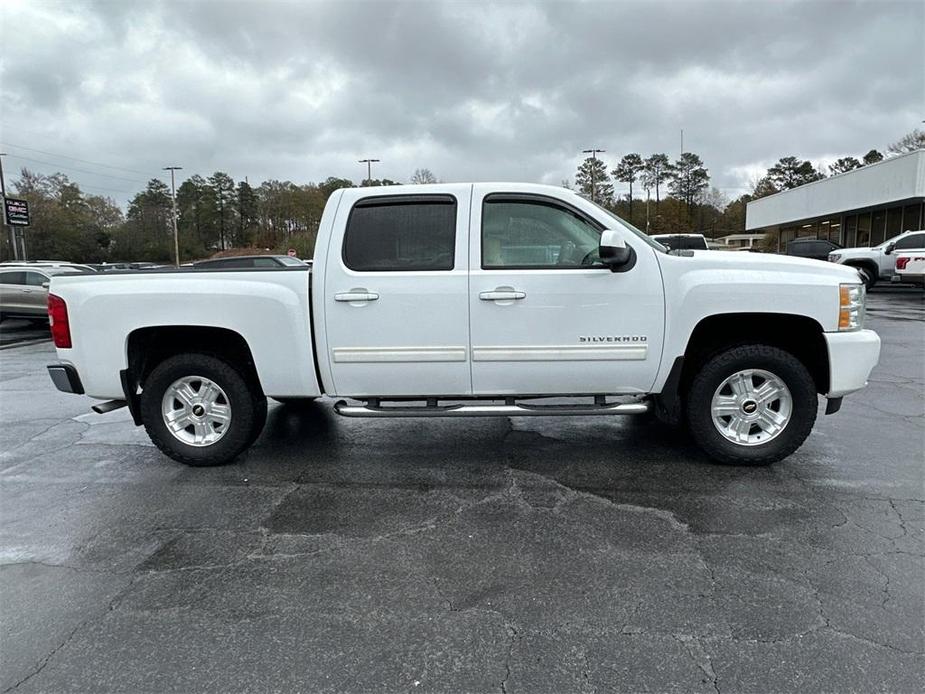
24 290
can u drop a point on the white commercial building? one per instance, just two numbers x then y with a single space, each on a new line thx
859 208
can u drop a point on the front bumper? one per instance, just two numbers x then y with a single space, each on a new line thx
65 378
852 356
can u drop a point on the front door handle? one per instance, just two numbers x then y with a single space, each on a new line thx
502 295
356 296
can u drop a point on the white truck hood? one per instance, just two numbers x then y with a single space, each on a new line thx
861 252
785 264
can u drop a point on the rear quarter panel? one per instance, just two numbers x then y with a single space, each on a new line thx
269 309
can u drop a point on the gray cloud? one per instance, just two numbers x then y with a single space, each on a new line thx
470 90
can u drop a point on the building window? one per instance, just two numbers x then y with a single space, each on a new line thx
850 232
878 227
911 218
864 229
894 222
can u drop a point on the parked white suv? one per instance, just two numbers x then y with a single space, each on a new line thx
878 263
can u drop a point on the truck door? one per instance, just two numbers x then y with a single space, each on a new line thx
396 294
545 318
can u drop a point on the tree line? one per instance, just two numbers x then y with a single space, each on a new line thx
217 213
678 195
214 214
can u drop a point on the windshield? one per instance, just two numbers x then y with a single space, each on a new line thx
623 223
288 260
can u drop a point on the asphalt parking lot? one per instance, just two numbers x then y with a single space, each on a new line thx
503 555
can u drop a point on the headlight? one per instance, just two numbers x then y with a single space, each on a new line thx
851 298
834 257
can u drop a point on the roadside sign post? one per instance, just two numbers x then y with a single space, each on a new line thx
16 215
3 194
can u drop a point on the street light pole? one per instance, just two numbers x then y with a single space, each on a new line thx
593 153
173 195
369 168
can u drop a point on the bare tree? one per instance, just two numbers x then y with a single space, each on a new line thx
908 143
423 176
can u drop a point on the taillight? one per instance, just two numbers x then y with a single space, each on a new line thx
57 316
901 263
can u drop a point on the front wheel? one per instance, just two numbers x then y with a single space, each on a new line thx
868 276
199 410
751 405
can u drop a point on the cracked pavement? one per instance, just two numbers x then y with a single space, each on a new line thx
495 555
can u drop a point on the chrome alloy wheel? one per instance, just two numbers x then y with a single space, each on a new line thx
751 407
196 411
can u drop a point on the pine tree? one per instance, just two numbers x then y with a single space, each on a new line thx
593 181
844 165
791 172
656 171
689 179
627 171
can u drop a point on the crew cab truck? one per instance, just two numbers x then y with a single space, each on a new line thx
910 267
879 262
464 300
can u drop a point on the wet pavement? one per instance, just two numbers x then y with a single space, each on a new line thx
15 331
508 555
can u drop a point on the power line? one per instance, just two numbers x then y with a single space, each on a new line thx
85 161
73 168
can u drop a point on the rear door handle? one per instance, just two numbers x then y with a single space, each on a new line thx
502 295
356 296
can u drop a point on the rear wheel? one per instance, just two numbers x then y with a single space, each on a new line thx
199 410
751 405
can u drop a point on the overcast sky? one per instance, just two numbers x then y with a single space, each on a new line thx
473 91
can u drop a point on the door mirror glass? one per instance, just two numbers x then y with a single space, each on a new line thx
614 252
889 248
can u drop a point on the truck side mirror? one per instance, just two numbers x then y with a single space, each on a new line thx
890 247
614 252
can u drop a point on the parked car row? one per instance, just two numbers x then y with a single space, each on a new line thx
24 290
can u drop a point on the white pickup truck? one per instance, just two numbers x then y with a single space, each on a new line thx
463 300
910 267
879 262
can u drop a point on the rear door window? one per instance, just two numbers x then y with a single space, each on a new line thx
35 279
12 277
401 233
912 241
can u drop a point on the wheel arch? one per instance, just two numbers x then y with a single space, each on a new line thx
149 346
802 336
867 264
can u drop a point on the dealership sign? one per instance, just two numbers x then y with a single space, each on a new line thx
17 212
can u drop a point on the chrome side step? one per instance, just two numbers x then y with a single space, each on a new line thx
373 409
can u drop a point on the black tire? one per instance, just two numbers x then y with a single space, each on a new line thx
868 275
245 424
720 367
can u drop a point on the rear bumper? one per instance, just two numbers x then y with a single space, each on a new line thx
852 356
65 378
